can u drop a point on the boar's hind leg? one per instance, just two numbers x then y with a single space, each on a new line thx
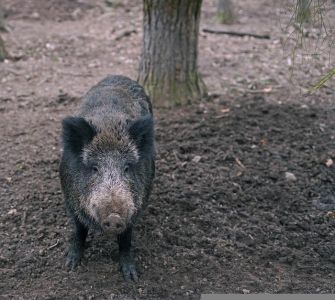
77 245
127 264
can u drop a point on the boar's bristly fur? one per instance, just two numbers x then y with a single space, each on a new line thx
107 166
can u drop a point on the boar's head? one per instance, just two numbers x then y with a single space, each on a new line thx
107 168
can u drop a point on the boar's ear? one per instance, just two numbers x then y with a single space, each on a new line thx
142 132
77 133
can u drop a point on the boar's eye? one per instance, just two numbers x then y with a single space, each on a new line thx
126 168
94 168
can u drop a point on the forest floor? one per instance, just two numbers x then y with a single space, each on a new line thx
244 198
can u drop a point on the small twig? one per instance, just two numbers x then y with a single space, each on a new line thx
105 15
257 91
236 33
225 111
54 245
44 80
220 116
24 218
125 33
323 80
239 163
176 156
12 71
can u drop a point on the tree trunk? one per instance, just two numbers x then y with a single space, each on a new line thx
168 66
2 19
225 11
3 52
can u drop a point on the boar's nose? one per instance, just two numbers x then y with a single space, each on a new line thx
114 223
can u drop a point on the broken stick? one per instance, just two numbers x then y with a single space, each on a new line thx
236 33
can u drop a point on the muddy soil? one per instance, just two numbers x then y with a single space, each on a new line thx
244 198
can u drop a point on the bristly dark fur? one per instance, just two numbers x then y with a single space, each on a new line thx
142 132
114 128
77 133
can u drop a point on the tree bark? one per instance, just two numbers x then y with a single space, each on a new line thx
226 11
2 19
168 66
3 52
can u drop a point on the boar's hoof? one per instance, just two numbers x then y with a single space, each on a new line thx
128 269
73 258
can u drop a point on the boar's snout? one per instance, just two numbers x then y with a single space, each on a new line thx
113 223
112 208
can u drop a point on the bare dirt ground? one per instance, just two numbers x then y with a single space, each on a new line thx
245 190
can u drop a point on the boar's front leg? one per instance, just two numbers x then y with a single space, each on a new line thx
77 245
127 264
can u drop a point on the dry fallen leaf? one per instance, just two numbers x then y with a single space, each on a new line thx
263 142
225 110
196 158
267 89
12 211
329 162
239 163
290 176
